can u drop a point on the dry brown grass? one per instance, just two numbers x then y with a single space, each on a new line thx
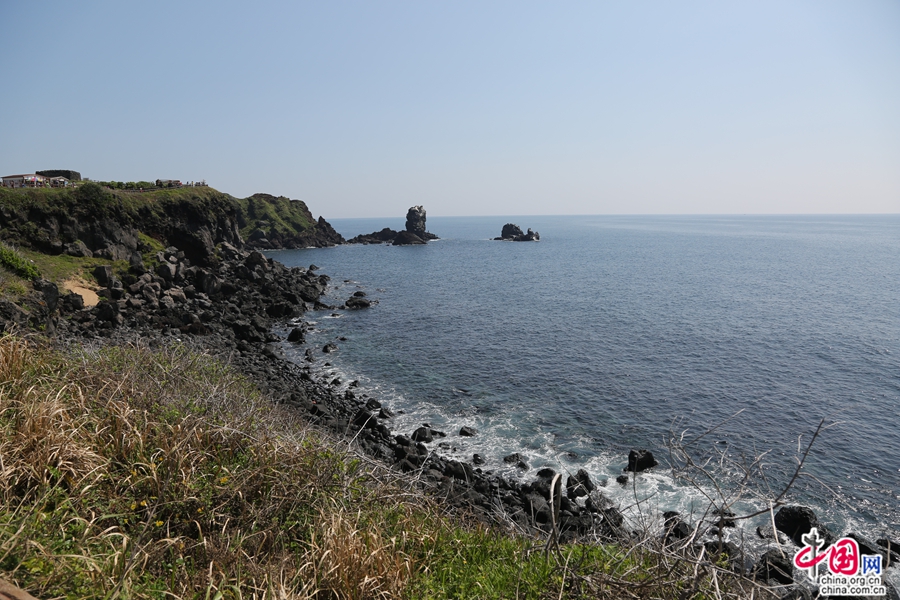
131 473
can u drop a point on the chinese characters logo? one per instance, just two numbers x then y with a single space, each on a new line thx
849 573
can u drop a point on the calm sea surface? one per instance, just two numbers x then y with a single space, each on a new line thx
615 332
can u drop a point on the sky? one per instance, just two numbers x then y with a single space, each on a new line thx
365 108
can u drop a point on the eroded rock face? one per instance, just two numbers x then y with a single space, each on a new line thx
415 220
511 230
11 315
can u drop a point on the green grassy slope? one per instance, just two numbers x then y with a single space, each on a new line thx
270 213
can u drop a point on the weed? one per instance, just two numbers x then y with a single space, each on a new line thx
18 264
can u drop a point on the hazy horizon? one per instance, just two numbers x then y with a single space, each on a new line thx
470 109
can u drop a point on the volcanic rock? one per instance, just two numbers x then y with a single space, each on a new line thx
422 434
356 302
415 232
415 221
773 566
796 521
640 460
512 232
579 485
406 238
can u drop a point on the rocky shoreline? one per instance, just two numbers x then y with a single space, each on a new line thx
224 300
230 310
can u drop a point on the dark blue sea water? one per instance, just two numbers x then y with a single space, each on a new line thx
614 332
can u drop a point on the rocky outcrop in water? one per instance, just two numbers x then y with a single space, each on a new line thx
513 233
385 236
415 221
414 234
640 460
407 238
796 521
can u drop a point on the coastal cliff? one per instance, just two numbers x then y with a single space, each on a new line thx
93 221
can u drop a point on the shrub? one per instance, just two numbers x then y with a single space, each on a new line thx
90 193
17 263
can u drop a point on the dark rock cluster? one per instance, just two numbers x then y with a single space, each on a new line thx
415 232
36 310
640 460
385 236
514 233
238 299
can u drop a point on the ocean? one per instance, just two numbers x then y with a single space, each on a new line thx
621 332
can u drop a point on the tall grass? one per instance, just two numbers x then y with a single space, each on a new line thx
131 473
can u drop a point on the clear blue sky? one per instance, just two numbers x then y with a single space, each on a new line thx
470 108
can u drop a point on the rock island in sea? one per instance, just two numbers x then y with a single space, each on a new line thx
415 232
513 233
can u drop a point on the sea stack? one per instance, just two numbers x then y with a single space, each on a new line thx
415 221
512 232
415 232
